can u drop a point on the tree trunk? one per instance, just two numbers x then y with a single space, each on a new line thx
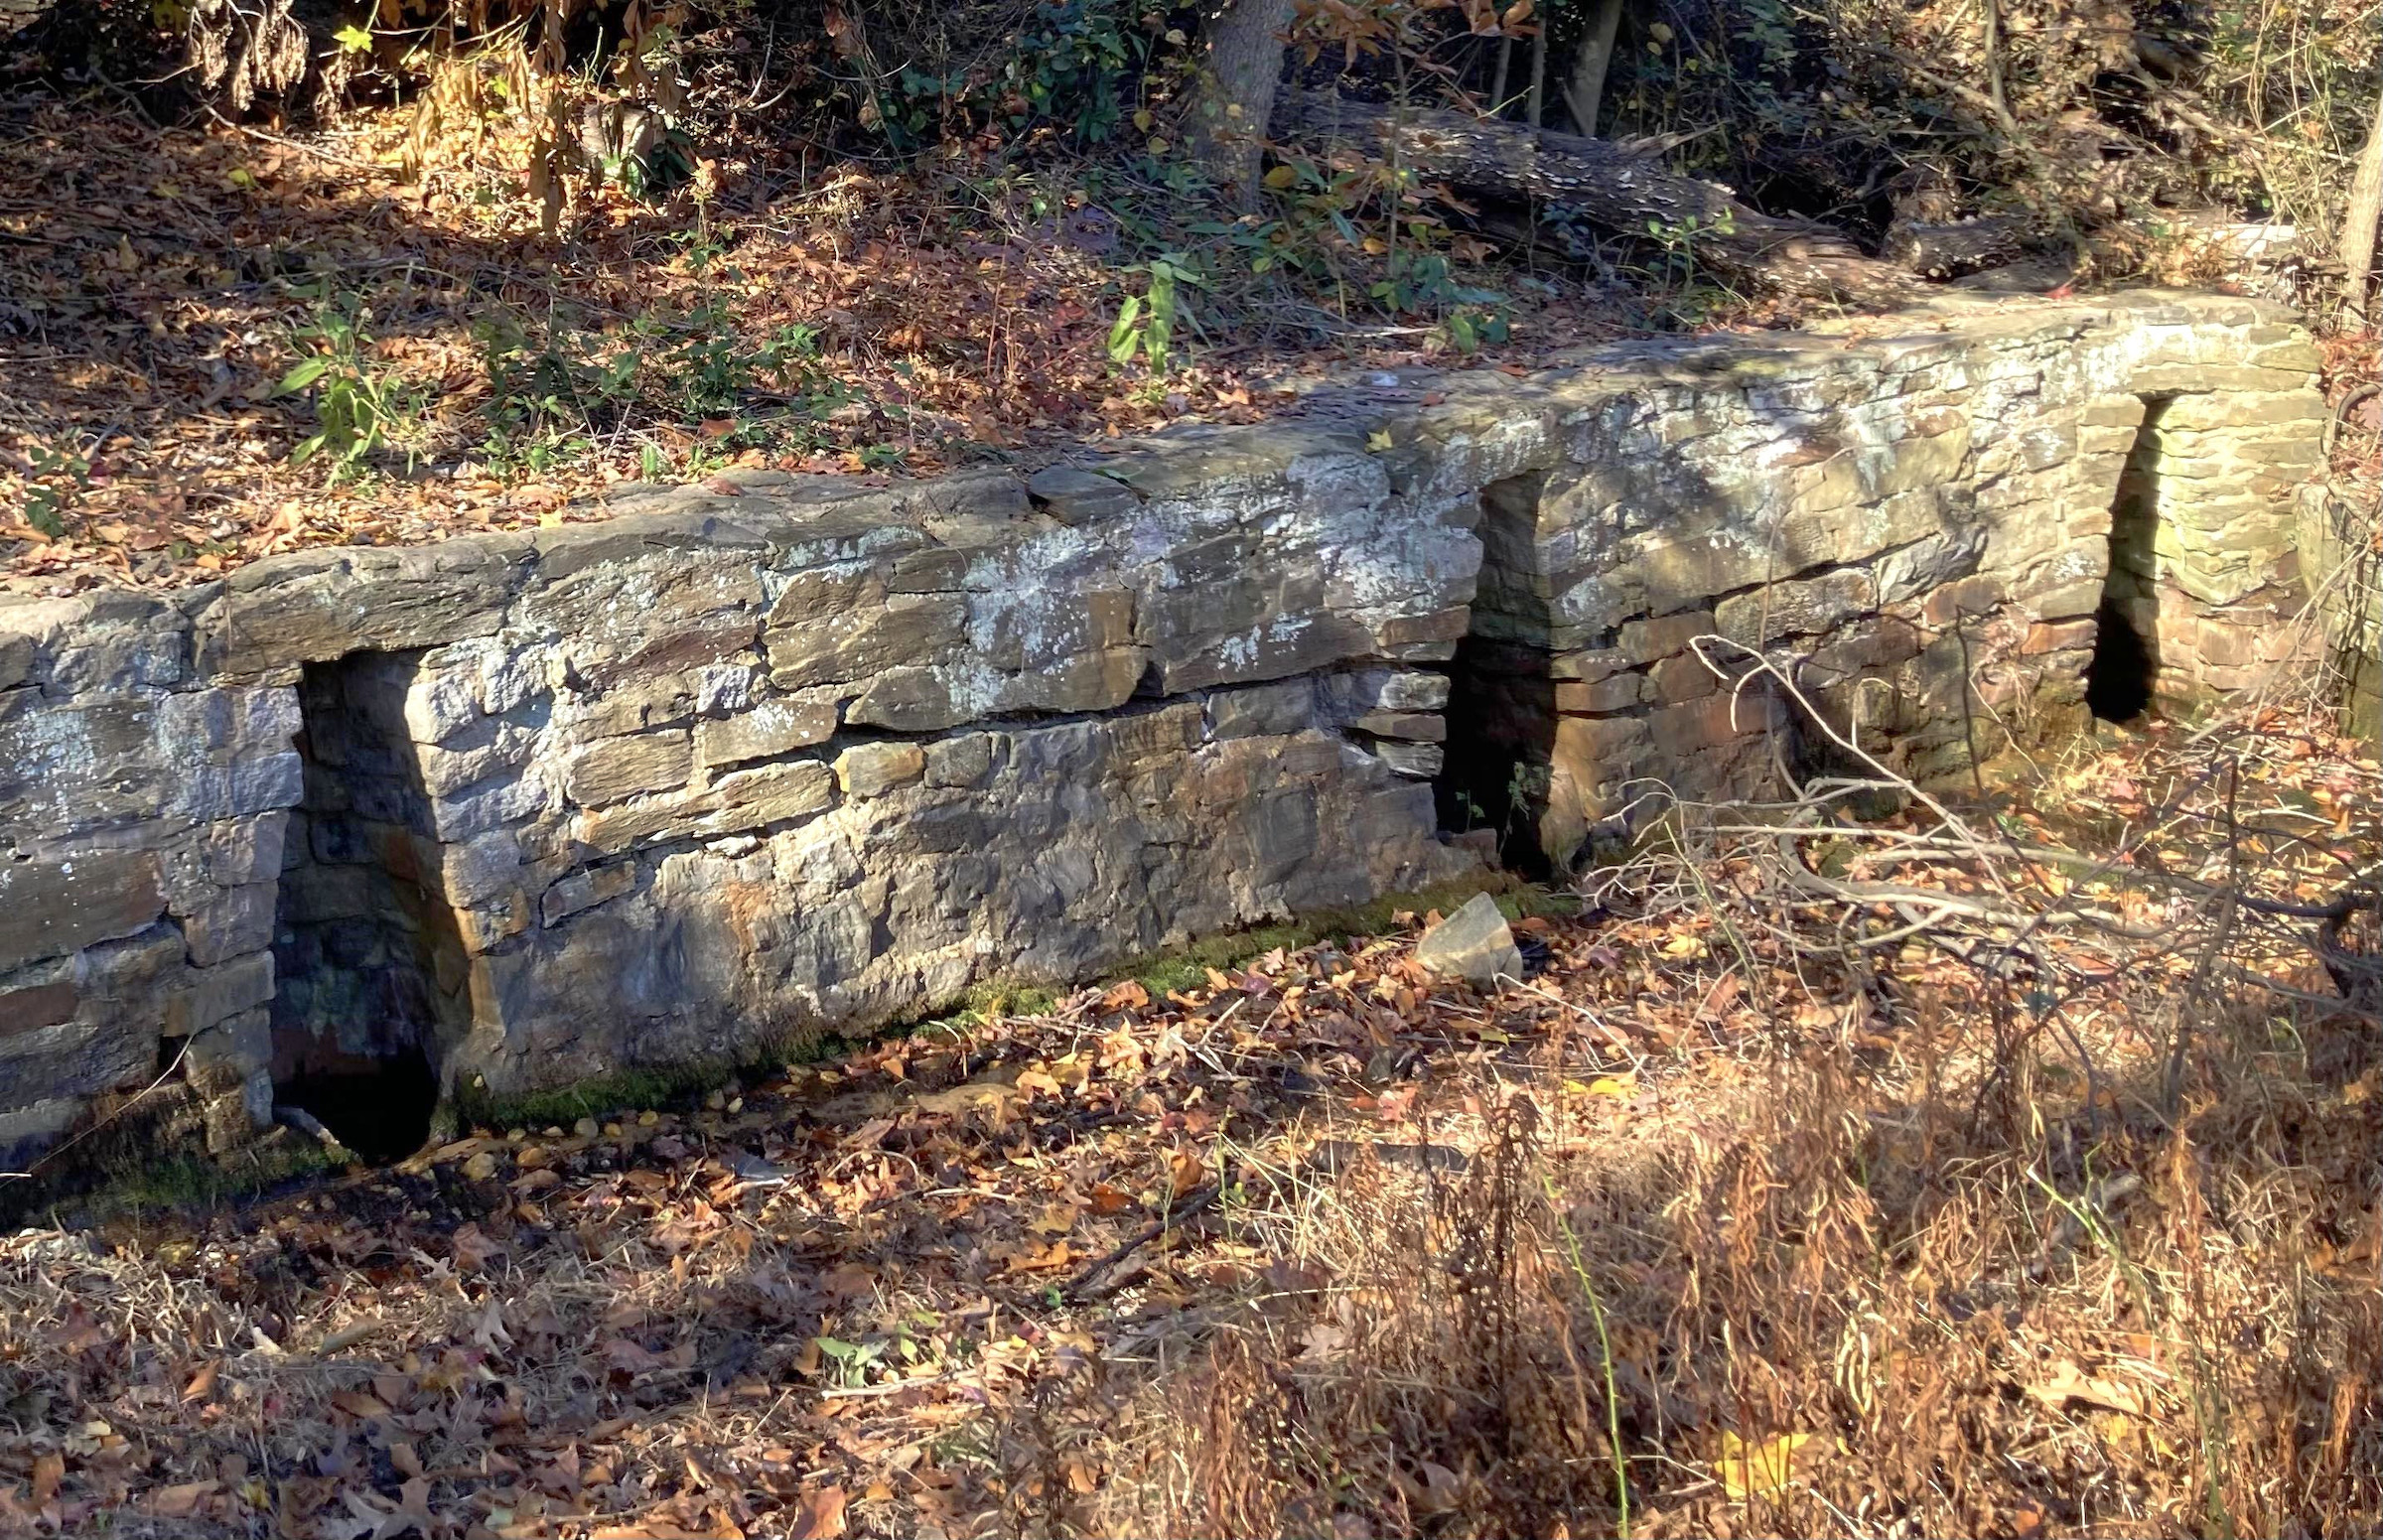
2357 250
1606 185
1586 91
1243 69
1535 106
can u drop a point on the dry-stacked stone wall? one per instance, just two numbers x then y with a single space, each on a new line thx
766 756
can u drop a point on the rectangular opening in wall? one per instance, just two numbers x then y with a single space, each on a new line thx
368 959
2119 681
1501 707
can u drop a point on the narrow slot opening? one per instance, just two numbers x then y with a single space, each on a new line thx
367 961
1501 707
2120 679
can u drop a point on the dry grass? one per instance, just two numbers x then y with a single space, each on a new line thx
2082 1245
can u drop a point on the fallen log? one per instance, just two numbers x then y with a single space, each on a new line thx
1607 186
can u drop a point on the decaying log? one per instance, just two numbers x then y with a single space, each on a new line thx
1604 185
1950 248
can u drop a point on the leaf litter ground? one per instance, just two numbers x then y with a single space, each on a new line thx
1210 1258
160 286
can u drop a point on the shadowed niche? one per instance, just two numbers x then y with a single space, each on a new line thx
2126 645
368 958
1501 707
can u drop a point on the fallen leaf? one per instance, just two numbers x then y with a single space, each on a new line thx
1764 1468
179 1502
821 1516
2067 1382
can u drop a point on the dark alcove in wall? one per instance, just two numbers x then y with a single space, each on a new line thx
368 959
2126 645
1501 706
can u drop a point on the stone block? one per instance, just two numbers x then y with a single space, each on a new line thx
2049 636
76 1058
215 994
1614 692
235 920
1800 609
1264 709
1589 667
1100 680
903 629
961 762
1076 498
16 658
619 826
1416 762
773 793
237 851
770 728
1473 943
1683 677
611 769
1644 642
585 890
494 920
27 1004
48 908
918 699
1685 730
223 1056
2068 600
873 770
1421 727
476 870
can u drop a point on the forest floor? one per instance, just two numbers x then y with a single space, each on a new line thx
159 287
1758 1206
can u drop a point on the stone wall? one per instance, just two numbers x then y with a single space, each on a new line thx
766 756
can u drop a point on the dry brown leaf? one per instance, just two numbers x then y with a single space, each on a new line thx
821 1516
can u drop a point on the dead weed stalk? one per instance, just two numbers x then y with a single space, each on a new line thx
2042 1197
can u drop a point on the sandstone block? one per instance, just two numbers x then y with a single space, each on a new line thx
873 770
617 826
54 907
964 761
1687 728
1076 498
1675 679
1800 609
1416 762
75 1058
215 994
2068 600
223 1056
26 1004
476 870
611 769
235 920
1614 692
773 793
1644 642
1473 943
16 658
903 629
585 890
1264 709
1422 727
773 728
